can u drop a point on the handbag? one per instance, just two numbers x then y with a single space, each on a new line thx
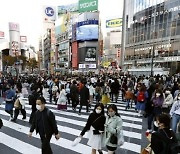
113 139
17 104
147 150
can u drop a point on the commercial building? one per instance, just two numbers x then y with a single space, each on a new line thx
152 34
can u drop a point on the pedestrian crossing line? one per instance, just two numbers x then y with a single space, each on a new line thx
18 145
25 130
65 143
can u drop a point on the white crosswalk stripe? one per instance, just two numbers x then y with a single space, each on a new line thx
70 125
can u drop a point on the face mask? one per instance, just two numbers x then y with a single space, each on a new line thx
156 124
178 98
98 111
158 94
168 92
38 107
111 114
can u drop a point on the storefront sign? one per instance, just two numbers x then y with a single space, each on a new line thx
88 5
170 59
114 23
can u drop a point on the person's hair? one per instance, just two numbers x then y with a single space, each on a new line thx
102 107
42 99
114 108
62 86
164 119
159 91
74 82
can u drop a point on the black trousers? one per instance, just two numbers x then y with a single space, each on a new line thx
32 113
45 146
16 113
87 108
74 103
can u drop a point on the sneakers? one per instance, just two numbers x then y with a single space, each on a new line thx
13 120
23 118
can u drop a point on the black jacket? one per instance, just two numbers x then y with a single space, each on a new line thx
84 96
95 120
157 139
49 122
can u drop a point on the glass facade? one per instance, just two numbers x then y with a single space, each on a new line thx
153 25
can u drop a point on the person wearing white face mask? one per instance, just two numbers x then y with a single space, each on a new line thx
113 126
175 113
95 125
157 101
45 124
168 101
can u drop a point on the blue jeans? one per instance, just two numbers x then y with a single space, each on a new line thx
175 120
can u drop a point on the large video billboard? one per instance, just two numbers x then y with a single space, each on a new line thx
64 9
87 30
87 54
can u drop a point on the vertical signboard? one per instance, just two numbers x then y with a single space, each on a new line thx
75 55
14 35
49 14
88 5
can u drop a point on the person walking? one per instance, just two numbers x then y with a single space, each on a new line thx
91 93
84 98
95 125
45 124
74 94
157 101
162 140
175 113
168 101
62 99
113 126
9 99
19 106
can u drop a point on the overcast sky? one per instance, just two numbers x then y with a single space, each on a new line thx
28 13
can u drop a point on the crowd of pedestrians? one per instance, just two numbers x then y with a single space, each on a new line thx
155 98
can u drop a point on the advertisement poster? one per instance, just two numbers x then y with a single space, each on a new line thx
64 9
88 5
114 23
87 54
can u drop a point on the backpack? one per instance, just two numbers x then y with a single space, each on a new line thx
141 97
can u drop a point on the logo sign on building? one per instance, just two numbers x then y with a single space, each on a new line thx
88 5
13 26
1 34
49 14
23 38
113 23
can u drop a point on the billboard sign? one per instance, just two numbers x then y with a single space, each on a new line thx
87 54
64 9
88 5
13 26
113 23
49 14
87 30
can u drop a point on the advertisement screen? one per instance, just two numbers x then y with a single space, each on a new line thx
87 54
87 32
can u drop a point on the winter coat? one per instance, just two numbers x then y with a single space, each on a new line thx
113 125
62 97
168 101
84 96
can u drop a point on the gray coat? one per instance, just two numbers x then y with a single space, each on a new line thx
113 125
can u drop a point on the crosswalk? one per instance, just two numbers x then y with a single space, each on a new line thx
13 136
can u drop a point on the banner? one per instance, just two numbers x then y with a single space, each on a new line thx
64 9
113 23
88 5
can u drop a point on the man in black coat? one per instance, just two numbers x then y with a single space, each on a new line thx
74 94
84 98
45 124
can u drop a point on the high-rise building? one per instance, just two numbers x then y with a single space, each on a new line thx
153 34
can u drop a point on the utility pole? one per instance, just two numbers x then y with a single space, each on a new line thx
123 35
152 60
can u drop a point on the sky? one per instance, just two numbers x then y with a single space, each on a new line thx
28 13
